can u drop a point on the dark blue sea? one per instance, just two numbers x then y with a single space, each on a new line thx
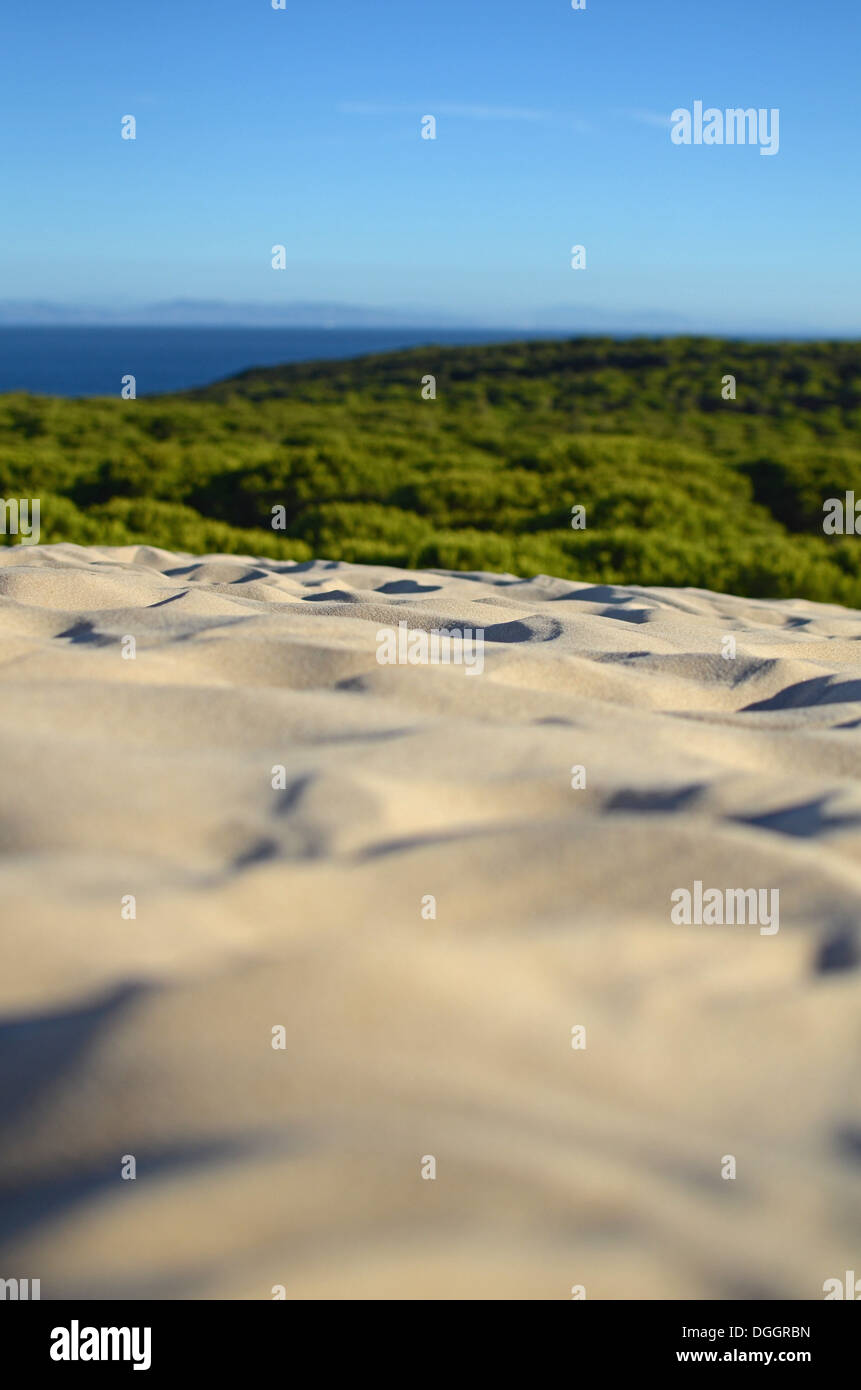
81 361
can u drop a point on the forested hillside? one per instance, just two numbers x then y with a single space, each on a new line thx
679 486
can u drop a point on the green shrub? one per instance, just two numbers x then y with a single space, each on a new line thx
680 486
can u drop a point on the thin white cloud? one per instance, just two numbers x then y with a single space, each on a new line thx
496 113
643 117
458 110
368 108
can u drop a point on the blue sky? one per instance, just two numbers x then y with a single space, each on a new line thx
302 127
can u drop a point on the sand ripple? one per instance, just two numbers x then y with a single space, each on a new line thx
301 905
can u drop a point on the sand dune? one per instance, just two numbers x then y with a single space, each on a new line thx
409 1036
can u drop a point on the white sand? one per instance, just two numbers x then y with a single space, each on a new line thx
408 1037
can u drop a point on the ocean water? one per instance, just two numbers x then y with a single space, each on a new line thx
79 361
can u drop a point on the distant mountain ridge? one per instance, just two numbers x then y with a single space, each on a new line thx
217 312
569 319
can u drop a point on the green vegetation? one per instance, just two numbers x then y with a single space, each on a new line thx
680 486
